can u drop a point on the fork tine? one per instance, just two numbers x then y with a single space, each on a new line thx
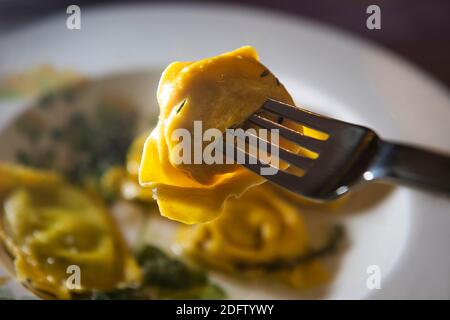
302 140
295 159
305 117
281 178
284 154
252 164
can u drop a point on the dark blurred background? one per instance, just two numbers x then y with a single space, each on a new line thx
418 30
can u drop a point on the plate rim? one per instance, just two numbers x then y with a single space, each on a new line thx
354 41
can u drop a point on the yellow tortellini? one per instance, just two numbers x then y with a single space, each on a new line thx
253 233
49 226
221 92
130 188
122 180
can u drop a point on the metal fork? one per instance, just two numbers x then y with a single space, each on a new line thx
351 156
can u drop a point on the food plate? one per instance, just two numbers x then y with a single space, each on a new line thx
124 49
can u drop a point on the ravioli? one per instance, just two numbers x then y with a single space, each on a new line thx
123 181
222 92
48 226
252 235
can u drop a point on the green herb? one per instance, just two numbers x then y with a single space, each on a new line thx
23 158
208 292
212 292
44 158
180 106
56 134
46 101
69 95
265 73
165 278
166 272
30 127
121 294
99 142
95 143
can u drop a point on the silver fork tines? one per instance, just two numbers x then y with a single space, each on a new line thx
288 156
350 156
294 136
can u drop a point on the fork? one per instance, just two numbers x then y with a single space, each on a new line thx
351 156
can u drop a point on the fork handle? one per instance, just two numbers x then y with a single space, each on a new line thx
412 165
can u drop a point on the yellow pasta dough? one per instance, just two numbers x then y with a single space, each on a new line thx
130 188
49 226
253 232
221 92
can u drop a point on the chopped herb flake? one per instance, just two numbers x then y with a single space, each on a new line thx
181 106
280 120
265 73
23 158
46 101
161 270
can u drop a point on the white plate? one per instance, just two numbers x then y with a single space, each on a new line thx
406 233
